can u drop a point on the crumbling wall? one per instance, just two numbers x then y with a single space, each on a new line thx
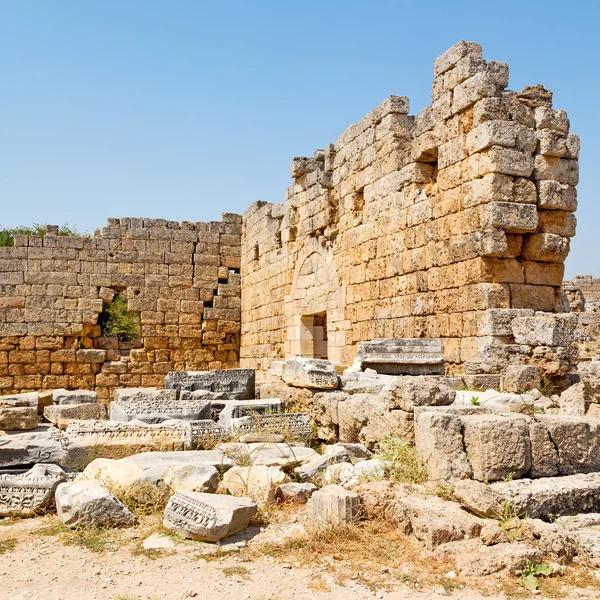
181 278
452 224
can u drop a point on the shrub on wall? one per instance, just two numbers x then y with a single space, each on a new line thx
7 234
116 321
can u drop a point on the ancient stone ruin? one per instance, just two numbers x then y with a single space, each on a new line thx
403 311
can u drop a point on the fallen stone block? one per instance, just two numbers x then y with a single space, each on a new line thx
357 452
407 392
212 458
44 445
62 414
319 464
89 504
474 560
310 373
207 517
333 504
192 478
237 384
74 397
350 476
295 493
291 425
402 356
151 410
258 482
18 418
237 409
574 400
30 493
432 520
283 455
109 439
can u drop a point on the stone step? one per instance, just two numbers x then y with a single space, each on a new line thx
542 498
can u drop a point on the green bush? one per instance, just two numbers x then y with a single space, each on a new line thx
7 234
116 321
401 460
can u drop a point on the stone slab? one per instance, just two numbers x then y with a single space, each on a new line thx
238 384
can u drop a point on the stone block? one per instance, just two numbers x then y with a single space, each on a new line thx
545 247
13 418
509 216
74 397
207 517
520 379
497 446
30 493
258 482
407 392
333 504
295 493
238 384
89 504
545 330
39 446
310 373
62 414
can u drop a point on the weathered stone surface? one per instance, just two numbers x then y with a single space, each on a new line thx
547 330
319 464
333 504
238 384
18 417
536 498
109 439
497 446
407 392
577 442
207 517
229 410
153 410
46 445
310 373
432 520
74 397
258 482
350 476
439 443
62 414
20 400
406 356
295 493
520 379
280 455
574 400
192 478
89 504
511 557
357 452
29 493
213 458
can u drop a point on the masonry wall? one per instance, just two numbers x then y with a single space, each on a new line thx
448 224
181 278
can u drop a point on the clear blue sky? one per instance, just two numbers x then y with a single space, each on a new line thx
185 109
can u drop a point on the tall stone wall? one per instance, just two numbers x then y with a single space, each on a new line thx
583 293
183 279
451 223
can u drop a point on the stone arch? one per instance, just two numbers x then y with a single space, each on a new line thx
315 307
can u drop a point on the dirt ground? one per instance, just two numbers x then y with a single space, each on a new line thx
41 560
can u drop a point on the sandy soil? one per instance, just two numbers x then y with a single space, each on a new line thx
42 566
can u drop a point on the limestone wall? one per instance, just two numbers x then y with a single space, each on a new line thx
182 278
450 223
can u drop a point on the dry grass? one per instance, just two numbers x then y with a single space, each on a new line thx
405 466
95 539
7 545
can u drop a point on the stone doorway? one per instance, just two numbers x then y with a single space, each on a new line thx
313 336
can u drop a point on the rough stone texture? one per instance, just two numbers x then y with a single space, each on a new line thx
295 493
319 463
88 504
236 384
474 560
442 225
181 278
520 379
14 418
333 504
407 392
357 452
497 446
62 414
207 517
400 356
29 493
157 411
46 445
310 373
74 397
110 439
258 482
535 498
432 520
